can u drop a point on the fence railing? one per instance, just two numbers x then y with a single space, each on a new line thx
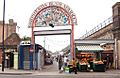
98 27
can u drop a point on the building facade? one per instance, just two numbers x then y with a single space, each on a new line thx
11 40
116 31
110 30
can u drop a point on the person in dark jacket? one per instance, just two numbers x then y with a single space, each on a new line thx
60 62
107 61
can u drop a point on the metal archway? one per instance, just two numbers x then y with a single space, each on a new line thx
55 13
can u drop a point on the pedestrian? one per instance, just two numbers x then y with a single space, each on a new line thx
74 66
56 59
65 61
60 63
7 60
77 64
111 62
107 61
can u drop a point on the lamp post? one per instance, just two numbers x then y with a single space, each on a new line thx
3 54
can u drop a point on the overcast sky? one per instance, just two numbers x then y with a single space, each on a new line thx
89 14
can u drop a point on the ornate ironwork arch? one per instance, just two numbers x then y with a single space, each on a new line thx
56 13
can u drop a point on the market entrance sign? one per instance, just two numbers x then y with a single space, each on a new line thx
53 14
56 13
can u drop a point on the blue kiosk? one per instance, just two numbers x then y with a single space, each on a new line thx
26 57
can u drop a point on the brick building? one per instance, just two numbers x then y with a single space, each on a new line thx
9 28
11 40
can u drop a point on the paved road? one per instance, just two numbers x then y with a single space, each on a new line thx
60 76
51 68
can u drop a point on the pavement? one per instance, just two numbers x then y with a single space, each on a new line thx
53 70
40 72
110 72
15 72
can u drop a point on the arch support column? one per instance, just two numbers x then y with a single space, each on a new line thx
72 46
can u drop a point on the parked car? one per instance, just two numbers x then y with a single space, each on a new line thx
49 61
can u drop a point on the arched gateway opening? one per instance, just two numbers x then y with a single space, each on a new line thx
53 14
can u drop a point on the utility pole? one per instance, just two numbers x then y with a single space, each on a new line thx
44 41
3 54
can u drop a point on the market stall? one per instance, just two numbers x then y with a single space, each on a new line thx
85 60
89 57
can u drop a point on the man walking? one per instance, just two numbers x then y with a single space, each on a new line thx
60 63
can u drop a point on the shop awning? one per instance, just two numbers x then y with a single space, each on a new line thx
90 48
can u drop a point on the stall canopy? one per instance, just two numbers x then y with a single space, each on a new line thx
89 48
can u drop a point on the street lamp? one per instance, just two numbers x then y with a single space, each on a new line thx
3 54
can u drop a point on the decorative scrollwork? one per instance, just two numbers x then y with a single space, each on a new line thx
55 13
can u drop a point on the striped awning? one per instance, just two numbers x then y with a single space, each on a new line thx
90 48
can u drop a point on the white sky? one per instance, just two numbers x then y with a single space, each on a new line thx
89 14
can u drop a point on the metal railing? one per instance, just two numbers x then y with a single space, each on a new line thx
98 27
